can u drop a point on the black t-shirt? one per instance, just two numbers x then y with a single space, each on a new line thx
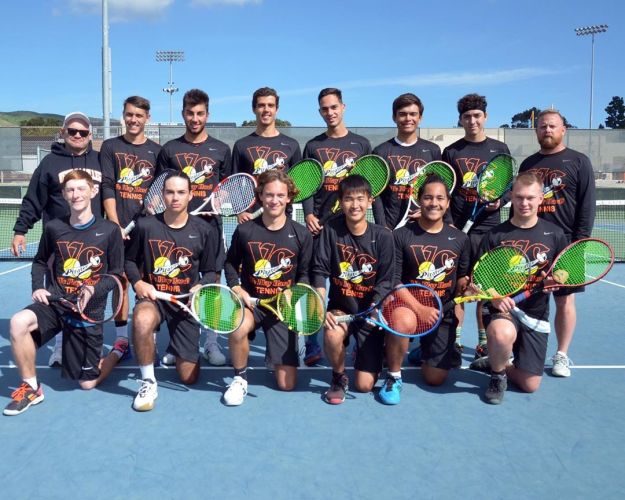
541 243
467 158
171 259
437 260
206 163
127 174
403 162
335 154
569 190
79 252
265 261
360 268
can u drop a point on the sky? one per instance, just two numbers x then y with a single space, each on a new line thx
517 54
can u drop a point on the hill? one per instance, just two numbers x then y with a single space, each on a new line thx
13 118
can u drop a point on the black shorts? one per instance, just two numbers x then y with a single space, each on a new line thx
82 345
529 348
438 348
369 346
281 342
184 331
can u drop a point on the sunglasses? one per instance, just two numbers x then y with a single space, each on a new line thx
74 131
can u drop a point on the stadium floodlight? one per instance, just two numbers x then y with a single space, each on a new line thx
170 56
592 31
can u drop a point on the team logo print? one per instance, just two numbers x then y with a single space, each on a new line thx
434 265
403 165
262 165
429 272
348 273
78 262
198 176
355 267
198 168
133 172
169 260
469 168
334 169
271 263
73 269
537 255
264 158
553 181
164 267
264 269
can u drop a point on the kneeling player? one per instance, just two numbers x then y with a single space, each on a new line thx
81 246
266 255
357 257
541 241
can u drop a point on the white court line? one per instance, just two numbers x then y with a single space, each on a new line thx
15 269
612 283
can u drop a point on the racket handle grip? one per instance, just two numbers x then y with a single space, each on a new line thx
467 227
165 296
127 230
520 297
257 213
344 319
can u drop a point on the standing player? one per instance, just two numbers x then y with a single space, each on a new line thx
357 257
206 161
541 241
168 252
336 149
438 255
44 197
405 154
79 246
128 165
265 256
266 148
569 202
467 156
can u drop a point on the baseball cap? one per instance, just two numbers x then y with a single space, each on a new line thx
76 115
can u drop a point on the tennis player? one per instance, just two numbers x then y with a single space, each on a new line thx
206 161
266 148
79 246
128 165
405 154
436 254
541 241
467 156
357 257
172 252
336 149
265 256
569 201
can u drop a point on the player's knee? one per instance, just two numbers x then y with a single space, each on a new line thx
529 385
286 385
433 376
364 384
19 326
87 385
189 374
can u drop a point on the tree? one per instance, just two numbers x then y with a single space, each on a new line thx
279 123
40 121
524 119
616 113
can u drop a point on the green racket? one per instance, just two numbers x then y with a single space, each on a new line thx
498 273
581 263
442 169
494 180
300 307
214 306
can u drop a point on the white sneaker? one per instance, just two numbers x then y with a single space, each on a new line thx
237 390
561 363
213 354
56 358
144 400
168 359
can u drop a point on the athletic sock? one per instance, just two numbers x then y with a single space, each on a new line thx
396 375
481 336
121 328
32 382
458 334
241 372
502 373
147 372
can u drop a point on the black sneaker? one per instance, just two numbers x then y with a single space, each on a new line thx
22 398
496 389
480 365
335 395
481 350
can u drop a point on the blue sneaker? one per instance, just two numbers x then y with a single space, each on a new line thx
313 353
390 393
414 356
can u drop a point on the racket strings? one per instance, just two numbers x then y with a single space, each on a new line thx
99 299
501 271
307 177
153 202
302 309
408 310
374 170
496 178
234 195
218 309
441 169
582 262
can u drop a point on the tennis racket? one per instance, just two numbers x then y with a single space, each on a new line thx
440 168
580 263
213 306
307 175
300 307
498 273
97 300
233 195
493 181
411 310
152 203
375 171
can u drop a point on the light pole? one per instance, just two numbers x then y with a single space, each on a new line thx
592 31
170 56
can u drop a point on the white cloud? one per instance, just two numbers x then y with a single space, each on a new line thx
466 79
210 3
123 10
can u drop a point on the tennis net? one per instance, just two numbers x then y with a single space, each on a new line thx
609 226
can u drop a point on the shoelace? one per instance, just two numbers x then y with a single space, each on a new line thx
390 382
20 393
563 358
145 387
